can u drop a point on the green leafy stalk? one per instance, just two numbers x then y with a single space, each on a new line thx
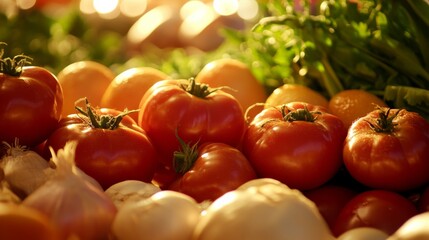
184 159
13 66
104 121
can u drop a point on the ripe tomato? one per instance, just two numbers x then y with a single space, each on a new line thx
330 199
389 149
109 153
31 101
194 111
380 209
297 143
213 170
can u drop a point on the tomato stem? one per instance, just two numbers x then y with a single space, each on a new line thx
104 121
184 159
299 114
200 90
384 122
13 66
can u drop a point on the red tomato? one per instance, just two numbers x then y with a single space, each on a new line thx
330 199
297 143
389 149
216 169
194 110
108 155
380 209
31 104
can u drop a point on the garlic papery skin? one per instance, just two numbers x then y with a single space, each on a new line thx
79 208
130 191
24 170
166 215
262 210
415 228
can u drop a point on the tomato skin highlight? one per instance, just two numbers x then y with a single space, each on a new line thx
301 154
166 108
109 156
31 106
396 161
380 209
218 169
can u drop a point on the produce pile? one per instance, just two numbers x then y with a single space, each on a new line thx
312 148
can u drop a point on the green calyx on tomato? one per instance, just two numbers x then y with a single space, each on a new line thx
200 90
384 123
299 114
184 159
13 66
104 121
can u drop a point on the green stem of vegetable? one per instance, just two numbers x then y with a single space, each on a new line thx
13 66
184 159
103 121
200 90
299 114
329 79
384 122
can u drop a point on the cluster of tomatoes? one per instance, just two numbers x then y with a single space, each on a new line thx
195 138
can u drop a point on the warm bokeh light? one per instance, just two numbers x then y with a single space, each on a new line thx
25 4
248 9
190 7
133 8
105 6
86 6
146 24
195 22
225 7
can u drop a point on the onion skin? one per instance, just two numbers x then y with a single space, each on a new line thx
262 210
83 211
80 209
165 215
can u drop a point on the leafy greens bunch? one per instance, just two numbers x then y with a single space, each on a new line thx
381 46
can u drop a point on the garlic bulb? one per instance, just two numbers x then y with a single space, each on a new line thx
129 191
165 215
262 209
79 208
415 228
24 170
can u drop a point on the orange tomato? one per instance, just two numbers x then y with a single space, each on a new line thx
352 104
236 79
19 222
84 79
128 87
295 93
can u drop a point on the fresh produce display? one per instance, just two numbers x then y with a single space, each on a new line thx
31 101
193 111
210 170
312 124
298 143
388 149
106 150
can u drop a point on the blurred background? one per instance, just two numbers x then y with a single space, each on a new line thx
118 33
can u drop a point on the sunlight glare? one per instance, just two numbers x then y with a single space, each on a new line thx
225 7
248 9
105 6
133 8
